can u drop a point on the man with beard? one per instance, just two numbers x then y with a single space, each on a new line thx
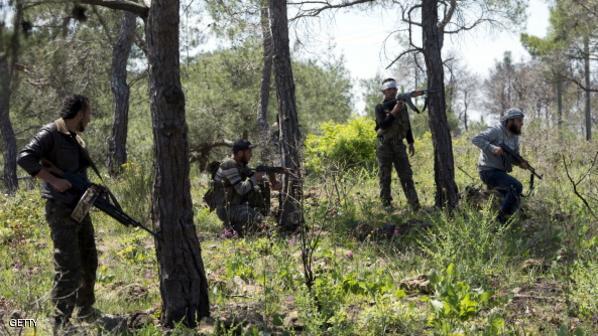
58 144
240 185
494 164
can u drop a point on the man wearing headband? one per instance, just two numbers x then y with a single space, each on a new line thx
493 164
392 126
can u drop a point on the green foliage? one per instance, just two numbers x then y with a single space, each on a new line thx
349 145
133 189
585 288
454 300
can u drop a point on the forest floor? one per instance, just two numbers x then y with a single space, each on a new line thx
375 273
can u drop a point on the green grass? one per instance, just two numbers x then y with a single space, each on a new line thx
534 276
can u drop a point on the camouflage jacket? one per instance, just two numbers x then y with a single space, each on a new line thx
238 181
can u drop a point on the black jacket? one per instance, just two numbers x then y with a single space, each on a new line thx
63 149
384 120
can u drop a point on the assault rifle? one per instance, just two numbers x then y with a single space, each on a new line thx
406 98
518 160
90 194
272 169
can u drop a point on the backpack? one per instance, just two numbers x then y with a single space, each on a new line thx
215 196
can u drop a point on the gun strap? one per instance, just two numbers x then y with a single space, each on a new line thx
85 154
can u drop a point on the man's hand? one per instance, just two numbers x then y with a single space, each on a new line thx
524 165
395 111
418 93
411 149
259 176
61 185
276 185
498 151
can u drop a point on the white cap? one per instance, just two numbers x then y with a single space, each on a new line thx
389 85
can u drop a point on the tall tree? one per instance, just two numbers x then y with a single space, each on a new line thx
291 215
183 283
8 59
262 118
574 22
444 167
117 143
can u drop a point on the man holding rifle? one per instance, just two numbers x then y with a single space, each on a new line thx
499 151
244 192
392 126
75 254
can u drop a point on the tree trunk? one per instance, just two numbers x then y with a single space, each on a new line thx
291 215
262 118
444 171
8 135
559 101
183 283
117 143
588 83
465 107
7 81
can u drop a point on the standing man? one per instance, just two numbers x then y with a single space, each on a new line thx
392 126
494 164
75 256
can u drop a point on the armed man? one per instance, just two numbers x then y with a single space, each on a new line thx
495 163
75 255
245 192
392 126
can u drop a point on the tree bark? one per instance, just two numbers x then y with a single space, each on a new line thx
117 143
183 283
8 135
291 215
444 171
262 118
465 108
7 67
588 102
559 101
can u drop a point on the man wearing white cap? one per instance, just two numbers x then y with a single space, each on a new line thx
392 126
494 165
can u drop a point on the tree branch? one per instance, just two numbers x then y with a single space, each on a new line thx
579 84
326 5
448 16
406 52
575 184
126 5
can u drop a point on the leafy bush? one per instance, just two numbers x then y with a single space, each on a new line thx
134 189
349 145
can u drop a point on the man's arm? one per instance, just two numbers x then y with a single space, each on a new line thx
485 139
241 186
30 156
383 120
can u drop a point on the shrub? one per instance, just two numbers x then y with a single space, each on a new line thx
348 145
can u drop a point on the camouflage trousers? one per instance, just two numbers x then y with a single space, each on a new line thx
75 261
393 152
242 218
